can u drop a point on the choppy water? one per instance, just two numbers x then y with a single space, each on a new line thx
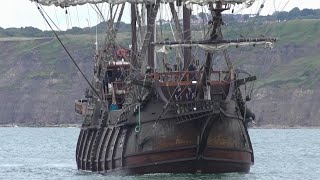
49 153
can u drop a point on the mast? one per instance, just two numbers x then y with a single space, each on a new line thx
97 46
186 35
216 34
176 22
150 48
146 42
134 48
178 32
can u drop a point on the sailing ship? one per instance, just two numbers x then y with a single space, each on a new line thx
142 115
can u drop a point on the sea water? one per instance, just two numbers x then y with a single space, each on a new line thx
49 153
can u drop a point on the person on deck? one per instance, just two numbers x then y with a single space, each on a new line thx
167 67
149 70
207 91
192 67
106 82
118 74
189 94
178 94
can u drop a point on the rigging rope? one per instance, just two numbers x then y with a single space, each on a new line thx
78 16
98 11
55 13
66 17
165 108
266 58
89 25
62 35
70 20
72 59
50 19
252 90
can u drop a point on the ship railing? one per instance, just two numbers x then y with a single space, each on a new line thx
113 65
176 76
195 106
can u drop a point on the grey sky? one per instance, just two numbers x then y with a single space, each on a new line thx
21 13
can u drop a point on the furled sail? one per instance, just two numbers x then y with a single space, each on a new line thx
212 46
66 3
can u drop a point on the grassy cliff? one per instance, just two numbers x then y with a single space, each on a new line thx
39 83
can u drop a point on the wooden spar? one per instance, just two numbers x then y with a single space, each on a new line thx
134 35
150 48
186 36
214 42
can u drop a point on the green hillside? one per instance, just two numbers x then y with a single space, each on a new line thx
39 82
294 59
302 69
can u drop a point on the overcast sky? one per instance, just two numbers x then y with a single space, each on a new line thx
22 13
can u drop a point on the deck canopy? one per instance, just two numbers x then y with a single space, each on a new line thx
66 3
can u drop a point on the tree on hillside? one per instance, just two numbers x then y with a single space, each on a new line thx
281 15
30 31
75 30
307 12
294 13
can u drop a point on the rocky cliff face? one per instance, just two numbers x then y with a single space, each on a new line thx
39 88
39 83
287 91
287 107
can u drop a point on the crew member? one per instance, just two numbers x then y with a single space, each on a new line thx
118 74
106 82
192 67
149 70
177 94
189 94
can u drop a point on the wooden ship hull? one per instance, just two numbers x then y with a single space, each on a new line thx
159 131
174 147
205 136
142 115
